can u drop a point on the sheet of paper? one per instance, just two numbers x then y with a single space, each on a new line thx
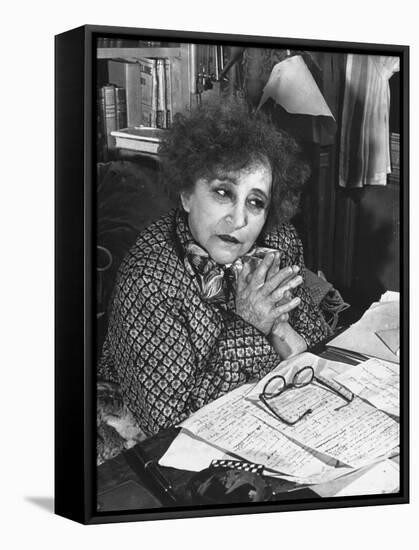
238 424
355 434
230 423
288 368
390 296
391 338
187 452
382 477
377 382
362 337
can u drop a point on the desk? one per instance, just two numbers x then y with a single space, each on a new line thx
139 493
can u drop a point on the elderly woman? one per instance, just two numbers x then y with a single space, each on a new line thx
212 295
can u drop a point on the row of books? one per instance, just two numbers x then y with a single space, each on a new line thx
112 131
111 114
148 86
138 94
394 176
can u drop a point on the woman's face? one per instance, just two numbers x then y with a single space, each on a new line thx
227 214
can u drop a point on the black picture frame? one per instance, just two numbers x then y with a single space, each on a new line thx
75 286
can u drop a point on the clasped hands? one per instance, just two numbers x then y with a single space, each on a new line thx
264 299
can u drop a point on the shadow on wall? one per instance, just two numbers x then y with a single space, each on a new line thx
377 255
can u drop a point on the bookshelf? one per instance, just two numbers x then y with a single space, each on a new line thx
182 59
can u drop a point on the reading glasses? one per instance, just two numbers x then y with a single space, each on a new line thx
277 385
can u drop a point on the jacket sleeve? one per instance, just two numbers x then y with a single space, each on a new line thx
151 354
240 354
150 348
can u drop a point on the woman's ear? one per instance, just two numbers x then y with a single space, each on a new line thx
185 200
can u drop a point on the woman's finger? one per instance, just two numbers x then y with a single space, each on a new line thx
285 298
286 279
286 308
275 266
259 275
283 318
242 279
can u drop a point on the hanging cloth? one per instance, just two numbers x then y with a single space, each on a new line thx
365 141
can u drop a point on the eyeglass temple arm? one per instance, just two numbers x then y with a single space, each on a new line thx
338 388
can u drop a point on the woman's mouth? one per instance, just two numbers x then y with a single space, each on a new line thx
229 239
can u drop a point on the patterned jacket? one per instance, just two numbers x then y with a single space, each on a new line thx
170 350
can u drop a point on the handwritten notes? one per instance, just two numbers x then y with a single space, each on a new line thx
377 382
334 432
232 425
354 433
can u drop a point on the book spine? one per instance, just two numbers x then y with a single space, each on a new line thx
120 108
154 95
168 81
127 75
110 113
146 83
161 95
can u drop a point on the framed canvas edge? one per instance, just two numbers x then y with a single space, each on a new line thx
70 366
80 503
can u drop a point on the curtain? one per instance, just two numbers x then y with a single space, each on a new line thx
365 149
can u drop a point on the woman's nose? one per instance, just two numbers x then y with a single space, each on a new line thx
238 216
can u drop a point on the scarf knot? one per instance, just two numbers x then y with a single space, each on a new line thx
217 282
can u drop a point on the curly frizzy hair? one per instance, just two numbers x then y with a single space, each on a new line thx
220 138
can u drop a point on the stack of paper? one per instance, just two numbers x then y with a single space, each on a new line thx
350 436
376 334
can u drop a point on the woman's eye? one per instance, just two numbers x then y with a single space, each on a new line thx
257 204
222 192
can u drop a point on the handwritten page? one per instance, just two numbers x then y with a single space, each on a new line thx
189 452
354 434
334 433
230 424
377 382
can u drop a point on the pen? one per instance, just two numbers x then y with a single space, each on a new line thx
348 353
141 464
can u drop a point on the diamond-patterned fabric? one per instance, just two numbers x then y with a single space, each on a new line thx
172 351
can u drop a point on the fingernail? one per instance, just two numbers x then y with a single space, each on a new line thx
296 269
298 280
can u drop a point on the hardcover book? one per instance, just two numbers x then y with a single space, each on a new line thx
127 75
